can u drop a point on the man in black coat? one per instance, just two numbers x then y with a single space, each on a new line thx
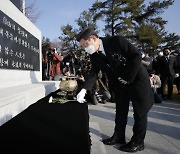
167 70
128 78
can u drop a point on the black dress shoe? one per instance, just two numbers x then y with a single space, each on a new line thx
132 147
113 140
169 98
164 98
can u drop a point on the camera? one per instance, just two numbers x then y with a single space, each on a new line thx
50 55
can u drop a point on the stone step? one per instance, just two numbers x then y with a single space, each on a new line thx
97 145
14 100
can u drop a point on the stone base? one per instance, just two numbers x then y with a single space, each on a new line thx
14 100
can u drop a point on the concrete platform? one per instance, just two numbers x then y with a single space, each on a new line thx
14 100
97 146
163 133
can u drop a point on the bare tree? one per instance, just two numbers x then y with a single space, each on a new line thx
31 11
57 44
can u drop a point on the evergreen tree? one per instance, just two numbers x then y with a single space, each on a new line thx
86 20
150 30
69 32
172 41
113 14
136 21
68 38
45 44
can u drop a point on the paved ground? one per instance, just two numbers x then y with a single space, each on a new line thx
163 134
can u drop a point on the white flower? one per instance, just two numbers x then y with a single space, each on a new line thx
50 99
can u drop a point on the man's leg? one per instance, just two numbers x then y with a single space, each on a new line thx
122 108
163 87
139 131
170 87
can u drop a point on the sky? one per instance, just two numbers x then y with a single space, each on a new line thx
56 13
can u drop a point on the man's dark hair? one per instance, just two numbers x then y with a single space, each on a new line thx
85 34
166 49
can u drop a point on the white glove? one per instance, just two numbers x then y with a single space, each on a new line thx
122 81
81 95
176 75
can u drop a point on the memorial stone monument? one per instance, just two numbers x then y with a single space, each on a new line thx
20 63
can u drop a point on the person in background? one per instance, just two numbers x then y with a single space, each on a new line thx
44 68
53 60
57 59
156 60
147 60
167 70
48 62
177 75
70 63
121 61
155 84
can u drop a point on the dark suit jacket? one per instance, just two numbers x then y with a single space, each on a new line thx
125 62
167 68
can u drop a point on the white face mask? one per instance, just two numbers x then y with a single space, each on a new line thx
90 49
143 55
160 53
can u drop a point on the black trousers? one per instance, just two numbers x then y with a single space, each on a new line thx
122 109
169 80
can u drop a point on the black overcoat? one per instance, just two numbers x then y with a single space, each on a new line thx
169 67
125 62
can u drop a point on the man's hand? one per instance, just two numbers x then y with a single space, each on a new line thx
81 95
50 99
122 81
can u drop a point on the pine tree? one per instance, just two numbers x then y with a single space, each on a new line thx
69 32
86 20
137 21
45 44
68 38
172 41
